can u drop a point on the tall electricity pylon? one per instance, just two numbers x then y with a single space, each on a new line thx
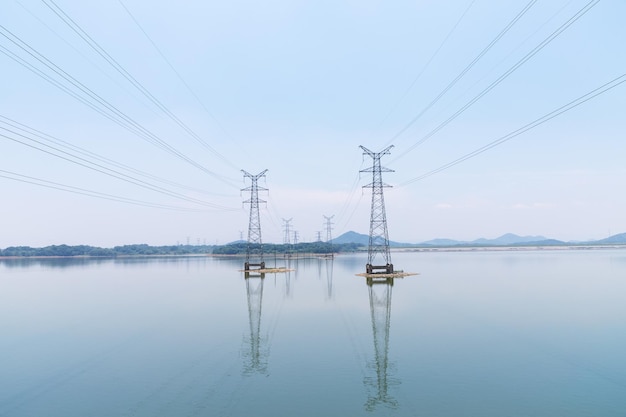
379 237
254 248
287 237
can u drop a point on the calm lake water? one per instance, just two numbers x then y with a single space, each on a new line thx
525 333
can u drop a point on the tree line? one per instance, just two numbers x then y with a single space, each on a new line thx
94 251
241 248
147 250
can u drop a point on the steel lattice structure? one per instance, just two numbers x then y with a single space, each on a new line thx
287 230
254 250
329 227
379 237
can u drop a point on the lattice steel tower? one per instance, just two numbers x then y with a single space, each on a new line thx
287 230
379 237
329 227
254 250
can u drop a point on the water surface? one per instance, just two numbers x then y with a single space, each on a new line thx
524 333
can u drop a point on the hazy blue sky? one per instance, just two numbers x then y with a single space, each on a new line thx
295 87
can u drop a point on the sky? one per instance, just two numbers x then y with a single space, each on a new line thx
130 121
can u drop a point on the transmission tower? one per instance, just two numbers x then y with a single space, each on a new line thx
254 250
287 238
328 227
379 237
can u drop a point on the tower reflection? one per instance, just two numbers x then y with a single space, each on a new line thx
380 291
329 277
255 357
325 268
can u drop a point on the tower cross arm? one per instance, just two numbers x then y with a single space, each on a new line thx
372 154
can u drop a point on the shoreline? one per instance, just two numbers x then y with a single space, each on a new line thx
322 255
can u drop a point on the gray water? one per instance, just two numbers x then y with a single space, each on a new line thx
527 333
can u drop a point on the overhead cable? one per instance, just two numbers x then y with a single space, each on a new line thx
537 122
82 191
506 74
71 23
482 53
94 100
427 65
81 151
102 169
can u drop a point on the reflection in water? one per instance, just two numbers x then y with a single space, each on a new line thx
255 358
380 307
327 263
329 277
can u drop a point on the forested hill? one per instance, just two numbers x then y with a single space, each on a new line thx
126 250
240 248
147 250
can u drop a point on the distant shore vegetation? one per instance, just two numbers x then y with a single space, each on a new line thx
173 250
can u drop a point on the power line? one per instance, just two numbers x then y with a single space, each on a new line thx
79 52
94 100
537 30
537 122
505 75
427 65
71 23
82 191
81 151
104 170
482 53
176 72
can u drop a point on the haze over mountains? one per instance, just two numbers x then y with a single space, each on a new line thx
508 239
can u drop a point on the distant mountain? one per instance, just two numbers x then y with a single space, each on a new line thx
443 242
352 237
615 239
508 239
545 242
364 240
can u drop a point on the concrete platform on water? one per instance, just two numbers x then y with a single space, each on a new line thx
383 275
266 270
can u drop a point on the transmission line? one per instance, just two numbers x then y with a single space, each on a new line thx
81 151
178 75
482 53
427 65
86 58
537 122
104 170
82 191
94 100
71 23
505 75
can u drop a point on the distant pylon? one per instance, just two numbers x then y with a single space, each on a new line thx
287 237
379 237
254 250
328 227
